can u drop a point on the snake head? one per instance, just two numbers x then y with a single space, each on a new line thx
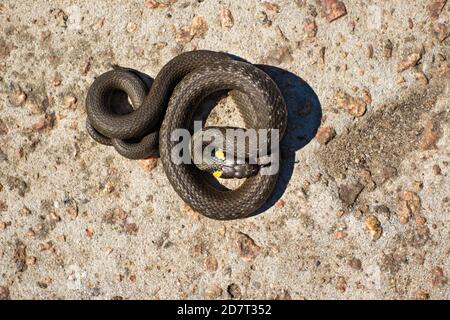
233 168
239 171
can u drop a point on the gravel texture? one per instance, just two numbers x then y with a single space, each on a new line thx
361 210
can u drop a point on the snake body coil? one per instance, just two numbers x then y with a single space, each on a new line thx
169 104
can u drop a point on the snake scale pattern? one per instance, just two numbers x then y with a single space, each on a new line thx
169 104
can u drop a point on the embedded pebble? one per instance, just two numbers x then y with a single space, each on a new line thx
18 98
370 51
246 247
98 24
45 123
280 204
190 212
148 164
214 292
355 263
152 4
341 284
374 227
4 293
387 48
430 136
263 18
334 9
183 35
30 261
131 228
199 26
339 235
349 193
325 134
442 30
422 295
211 264
410 61
436 170
354 106
131 27
439 278
435 7
222 231
69 101
408 204
310 27
271 6
420 76
226 19
278 56
234 291
89 232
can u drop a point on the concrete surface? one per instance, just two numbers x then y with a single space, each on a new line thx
359 214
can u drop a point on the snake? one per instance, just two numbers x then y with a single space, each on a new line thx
170 103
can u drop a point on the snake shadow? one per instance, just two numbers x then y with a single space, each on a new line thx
304 119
